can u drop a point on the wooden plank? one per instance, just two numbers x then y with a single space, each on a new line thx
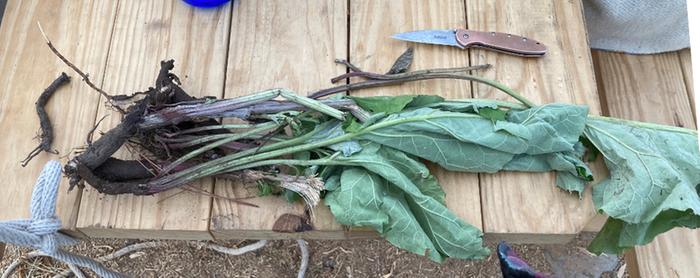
524 204
147 32
686 66
279 44
595 224
81 30
673 254
646 88
372 49
652 88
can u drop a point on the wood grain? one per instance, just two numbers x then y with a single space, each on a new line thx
81 31
145 33
673 254
529 204
279 44
646 88
372 49
686 66
653 88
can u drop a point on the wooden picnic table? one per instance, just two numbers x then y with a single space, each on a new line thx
247 46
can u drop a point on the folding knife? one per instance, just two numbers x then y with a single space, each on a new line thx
462 38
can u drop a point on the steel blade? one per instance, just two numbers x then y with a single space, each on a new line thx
441 37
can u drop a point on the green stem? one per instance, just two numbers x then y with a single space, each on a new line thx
313 104
638 124
645 125
200 140
226 164
503 88
290 162
227 138
213 127
500 103
213 164
252 158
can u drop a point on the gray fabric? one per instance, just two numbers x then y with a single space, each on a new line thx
639 27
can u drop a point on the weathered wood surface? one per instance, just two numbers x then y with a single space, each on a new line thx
653 88
27 67
278 44
145 33
527 206
686 66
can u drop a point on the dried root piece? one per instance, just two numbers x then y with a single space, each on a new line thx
46 128
72 66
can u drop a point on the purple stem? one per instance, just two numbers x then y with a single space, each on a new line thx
230 108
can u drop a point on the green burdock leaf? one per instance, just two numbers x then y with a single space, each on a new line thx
652 185
539 139
424 100
493 114
386 104
332 183
290 196
395 104
264 188
416 171
351 125
376 193
335 129
591 150
472 106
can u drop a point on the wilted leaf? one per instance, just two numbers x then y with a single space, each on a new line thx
385 198
538 139
652 184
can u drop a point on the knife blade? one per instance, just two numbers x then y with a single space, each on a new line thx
463 38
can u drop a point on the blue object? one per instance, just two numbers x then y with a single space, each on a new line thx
206 3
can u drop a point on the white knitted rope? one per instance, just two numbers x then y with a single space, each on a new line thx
41 230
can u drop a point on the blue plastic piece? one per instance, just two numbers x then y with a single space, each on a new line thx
206 3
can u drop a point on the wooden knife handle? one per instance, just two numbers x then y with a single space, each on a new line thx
502 42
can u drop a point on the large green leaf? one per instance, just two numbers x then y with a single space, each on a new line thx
390 201
652 186
543 138
357 200
416 171
654 170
